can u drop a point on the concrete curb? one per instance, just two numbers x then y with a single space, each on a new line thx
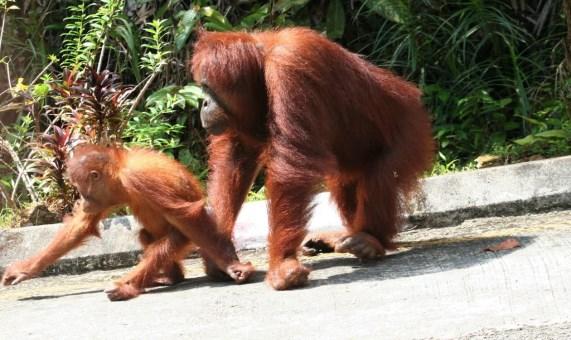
441 201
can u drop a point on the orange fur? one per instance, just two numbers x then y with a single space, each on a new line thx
163 196
311 112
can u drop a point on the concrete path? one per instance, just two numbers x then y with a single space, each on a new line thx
441 284
510 190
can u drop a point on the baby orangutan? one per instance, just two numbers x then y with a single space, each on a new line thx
163 196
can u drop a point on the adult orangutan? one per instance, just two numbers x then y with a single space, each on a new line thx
163 196
310 112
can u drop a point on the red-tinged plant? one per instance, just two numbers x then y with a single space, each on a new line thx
88 108
91 104
48 162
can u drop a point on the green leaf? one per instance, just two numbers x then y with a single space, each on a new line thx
184 27
185 157
286 5
533 121
215 20
527 140
192 89
504 102
335 19
41 90
192 94
160 95
213 26
257 16
553 134
131 38
394 10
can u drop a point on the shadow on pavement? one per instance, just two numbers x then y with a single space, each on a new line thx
417 258
414 258
204 281
53 296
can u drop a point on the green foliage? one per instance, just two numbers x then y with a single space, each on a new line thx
549 143
492 73
157 127
394 10
156 45
127 34
15 182
550 133
286 5
484 73
8 218
151 129
20 133
445 167
256 17
214 20
335 22
74 55
86 32
257 195
186 23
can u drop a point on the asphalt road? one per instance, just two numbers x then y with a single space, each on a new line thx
441 284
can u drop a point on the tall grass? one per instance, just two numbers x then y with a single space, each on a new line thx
488 69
